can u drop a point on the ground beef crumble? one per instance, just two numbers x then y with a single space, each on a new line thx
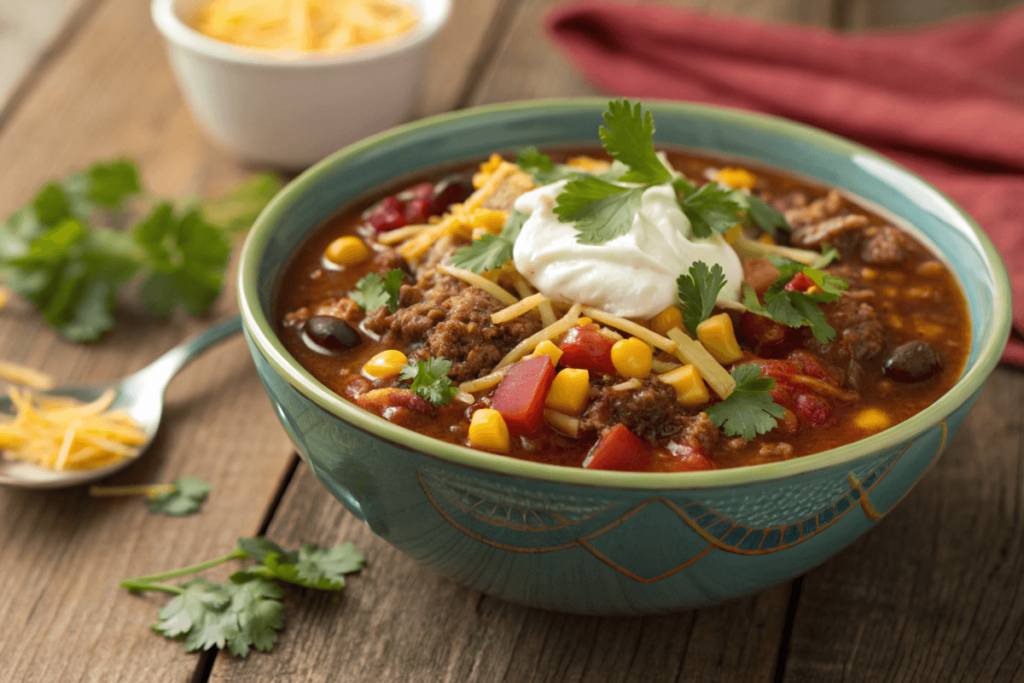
651 412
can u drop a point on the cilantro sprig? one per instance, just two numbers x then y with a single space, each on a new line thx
796 308
373 291
69 253
491 251
698 292
430 380
245 612
183 497
629 138
749 410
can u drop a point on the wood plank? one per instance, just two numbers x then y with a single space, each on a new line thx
397 621
871 14
111 94
30 32
933 594
527 65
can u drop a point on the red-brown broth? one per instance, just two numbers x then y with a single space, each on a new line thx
907 301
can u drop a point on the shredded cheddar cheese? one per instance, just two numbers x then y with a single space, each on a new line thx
64 434
328 26
26 376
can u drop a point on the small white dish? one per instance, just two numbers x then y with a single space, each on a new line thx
291 109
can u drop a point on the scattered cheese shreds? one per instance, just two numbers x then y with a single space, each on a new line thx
26 376
304 25
64 434
480 282
638 331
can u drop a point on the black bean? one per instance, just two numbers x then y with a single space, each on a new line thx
912 362
327 334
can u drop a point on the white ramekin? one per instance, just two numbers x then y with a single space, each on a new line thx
293 110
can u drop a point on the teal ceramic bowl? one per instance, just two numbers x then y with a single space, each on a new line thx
607 542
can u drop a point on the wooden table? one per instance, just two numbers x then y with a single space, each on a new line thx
934 594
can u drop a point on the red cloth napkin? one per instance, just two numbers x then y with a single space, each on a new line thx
946 101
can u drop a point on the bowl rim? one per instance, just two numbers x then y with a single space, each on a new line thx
178 32
266 342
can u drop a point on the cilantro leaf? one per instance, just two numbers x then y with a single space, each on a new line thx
487 252
698 293
430 380
311 566
70 274
111 183
197 609
491 251
188 493
241 614
258 547
601 210
373 291
257 615
828 255
749 410
710 208
629 138
764 215
797 308
236 211
185 261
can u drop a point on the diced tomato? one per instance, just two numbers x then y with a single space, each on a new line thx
619 449
687 458
387 215
799 283
521 394
584 347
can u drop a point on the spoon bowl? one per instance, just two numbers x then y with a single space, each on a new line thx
140 395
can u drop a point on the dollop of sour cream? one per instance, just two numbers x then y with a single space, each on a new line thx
633 275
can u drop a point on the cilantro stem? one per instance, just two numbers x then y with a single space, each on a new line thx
136 586
151 490
185 571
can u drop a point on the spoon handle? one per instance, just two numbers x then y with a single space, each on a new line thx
159 372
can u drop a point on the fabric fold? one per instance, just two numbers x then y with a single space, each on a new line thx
946 101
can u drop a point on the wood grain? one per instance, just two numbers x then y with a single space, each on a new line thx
30 33
110 93
871 14
397 621
934 593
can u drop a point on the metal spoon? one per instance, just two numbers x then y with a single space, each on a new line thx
140 395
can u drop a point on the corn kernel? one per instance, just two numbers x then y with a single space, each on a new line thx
666 320
347 251
385 364
718 337
488 430
689 385
930 268
568 393
765 238
489 220
868 274
872 419
546 348
930 330
588 164
737 178
584 321
733 234
921 292
895 322
632 358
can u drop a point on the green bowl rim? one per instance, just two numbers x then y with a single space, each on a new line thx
263 336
